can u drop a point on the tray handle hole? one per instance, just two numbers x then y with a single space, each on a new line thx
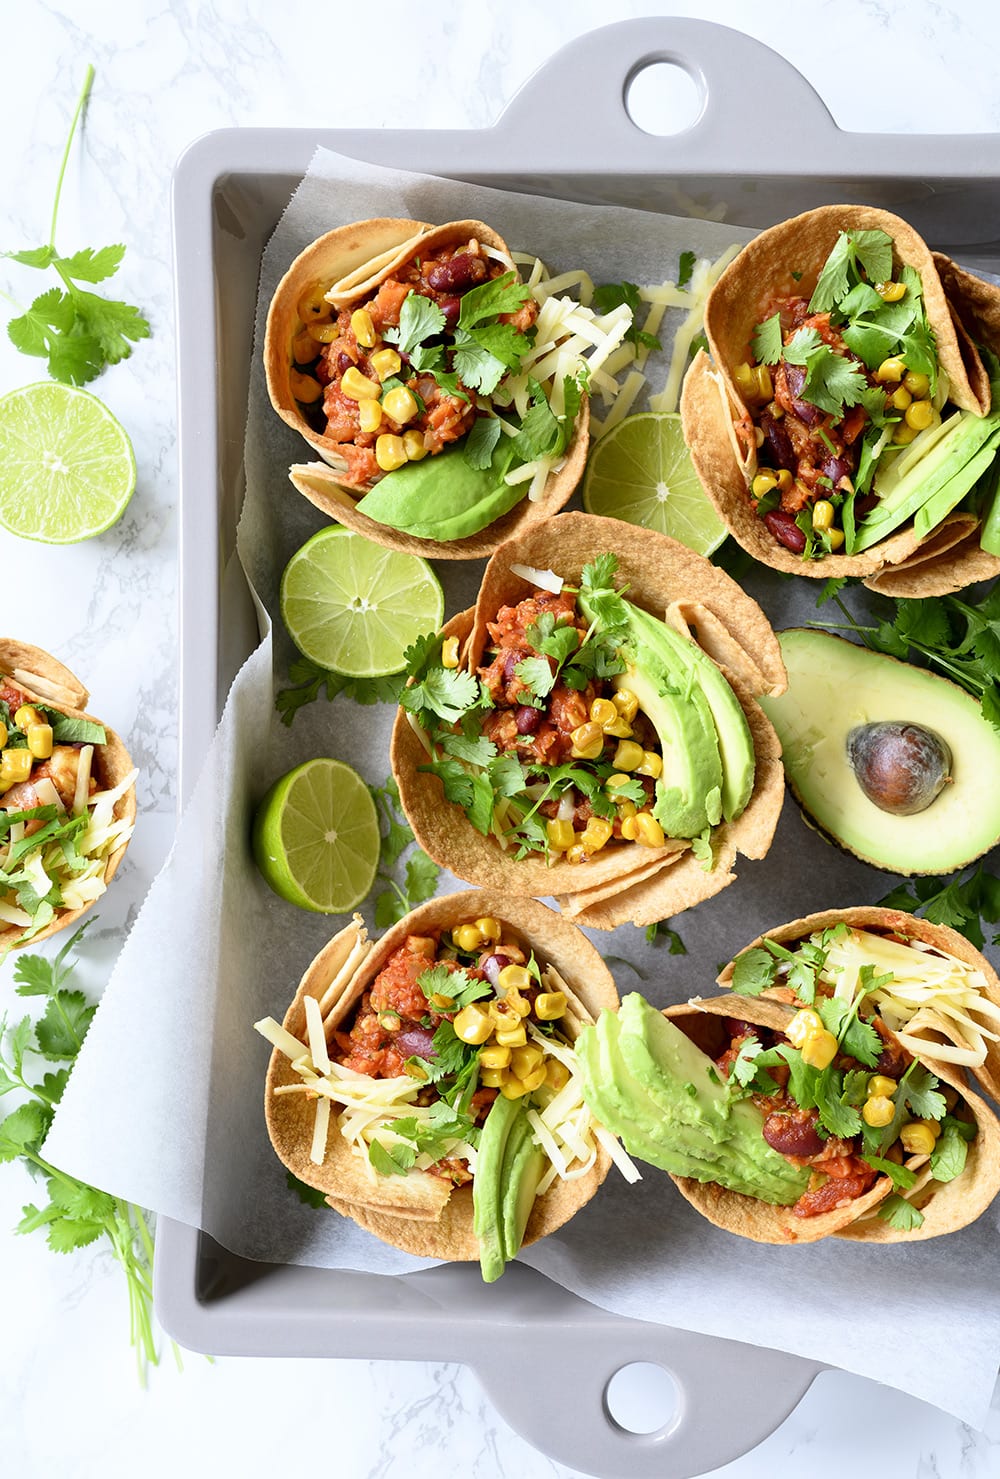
662 97
642 1398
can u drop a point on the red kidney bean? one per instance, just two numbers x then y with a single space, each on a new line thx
510 662
778 443
785 530
344 362
789 1135
456 275
451 307
528 719
835 468
796 376
416 1042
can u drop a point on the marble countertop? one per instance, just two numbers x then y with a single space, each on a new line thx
168 71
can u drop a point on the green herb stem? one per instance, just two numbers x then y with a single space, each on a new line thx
88 83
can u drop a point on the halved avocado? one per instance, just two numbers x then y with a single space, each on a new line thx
834 688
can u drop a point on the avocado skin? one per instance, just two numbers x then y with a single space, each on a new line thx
487 1216
652 1087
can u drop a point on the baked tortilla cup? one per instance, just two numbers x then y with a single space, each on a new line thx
349 264
946 1207
625 882
43 679
907 927
712 406
419 1212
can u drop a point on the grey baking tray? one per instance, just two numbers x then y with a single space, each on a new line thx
567 133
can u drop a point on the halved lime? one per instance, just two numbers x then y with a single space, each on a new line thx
355 607
316 837
641 472
67 468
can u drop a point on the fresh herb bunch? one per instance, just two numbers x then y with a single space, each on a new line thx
946 633
839 1094
308 680
421 874
79 333
74 1213
964 903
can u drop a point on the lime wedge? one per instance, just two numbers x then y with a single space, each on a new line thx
641 472
355 607
316 837
67 468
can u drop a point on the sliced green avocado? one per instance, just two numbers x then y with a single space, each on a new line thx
487 1214
660 1120
835 687
523 1164
937 481
443 497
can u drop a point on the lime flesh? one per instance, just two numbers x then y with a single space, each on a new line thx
316 837
67 469
641 472
354 607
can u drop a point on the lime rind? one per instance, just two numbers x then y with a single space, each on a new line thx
316 837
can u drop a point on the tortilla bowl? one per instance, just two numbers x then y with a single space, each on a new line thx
908 927
419 1212
348 265
946 1207
43 679
716 419
618 884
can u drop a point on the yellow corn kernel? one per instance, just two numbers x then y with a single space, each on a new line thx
648 830
626 702
560 835
877 1111
628 756
304 348
630 828
836 537
390 452
746 381
489 927
763 483
369 414
385 362
40 740
466 937
603 711
492 1078
880 1085
514 978
416 447
819 1049
363 329
596 834
900 398
917 384
890 371
765 389
313 307
358 387
805 1023
323 333
616 781
519 1005
414 1070
473 1025
524 1060
652 764
919 415
822 513
512 1037
3 734
626 809
785 479
512 1088
891 292
758 436
440 1002
620 729
534 1079
556 1074
494 1056
400 404
15 766
550 1005
449 652
903 434
776 411
588 741
577 853
304 388
917 1138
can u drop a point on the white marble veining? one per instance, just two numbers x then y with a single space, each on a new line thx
167 71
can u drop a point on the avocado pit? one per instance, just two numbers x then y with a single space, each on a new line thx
900 767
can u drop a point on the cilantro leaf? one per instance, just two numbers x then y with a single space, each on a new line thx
22 1131
858 1039
685 267
832 381
481 442
446 692
503 294
458 986
309 681
310 1196
62 1028
662 931
899 1213
951 1148
419 318
391 1160
611 295
902 1177
537 675
836 1113
768 340
753 971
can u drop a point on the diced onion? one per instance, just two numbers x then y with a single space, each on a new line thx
546 580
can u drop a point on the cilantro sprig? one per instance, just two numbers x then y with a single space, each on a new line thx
965 902
72 1213
420 873
78 332
307 681
611 295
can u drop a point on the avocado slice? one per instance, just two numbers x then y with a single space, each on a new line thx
835 686
523 1164
487 1215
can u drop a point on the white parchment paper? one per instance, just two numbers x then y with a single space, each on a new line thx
165 1103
